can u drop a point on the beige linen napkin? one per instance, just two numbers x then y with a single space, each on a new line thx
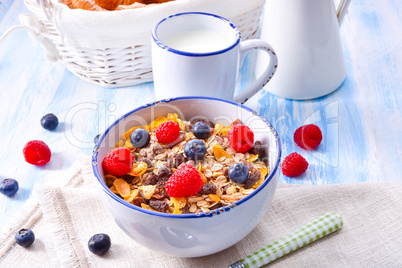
66 217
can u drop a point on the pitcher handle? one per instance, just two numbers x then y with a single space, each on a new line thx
247 46
341 10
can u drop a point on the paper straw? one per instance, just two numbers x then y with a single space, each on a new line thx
317 228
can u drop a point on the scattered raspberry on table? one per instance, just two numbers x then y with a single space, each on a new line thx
294 165
308 137
185 181
241 138
168 132
118 162
37 153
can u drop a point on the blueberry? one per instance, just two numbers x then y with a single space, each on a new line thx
9 187
201 130
99 244
25 237
195 149
139 138
238 173
49 121
96 139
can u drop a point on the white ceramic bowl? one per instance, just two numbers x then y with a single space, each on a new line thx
191 235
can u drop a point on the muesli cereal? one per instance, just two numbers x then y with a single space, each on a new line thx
177 166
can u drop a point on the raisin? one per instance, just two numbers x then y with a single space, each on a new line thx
217 205
156 148
138 201
224 188
259 149
160 193
249 166
159 205
147 161
208 188
175 160
161 183
185 210
164 172
150 179
252 179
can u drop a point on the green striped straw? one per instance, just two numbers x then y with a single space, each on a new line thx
317 228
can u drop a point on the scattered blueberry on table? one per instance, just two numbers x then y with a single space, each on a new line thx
9 187
139 138
195 149
49 121
99 244
201 130
25 237
238 173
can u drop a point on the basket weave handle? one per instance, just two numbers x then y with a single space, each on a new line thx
47 8
36 31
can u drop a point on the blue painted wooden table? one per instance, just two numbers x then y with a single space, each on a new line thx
361 121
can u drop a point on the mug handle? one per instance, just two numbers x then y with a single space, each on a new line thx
247 46
341 10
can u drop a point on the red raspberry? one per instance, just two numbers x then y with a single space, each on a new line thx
118 162
308 137
241 138
37 153
294 165
185 181
168 132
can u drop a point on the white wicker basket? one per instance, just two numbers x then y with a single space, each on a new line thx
119 66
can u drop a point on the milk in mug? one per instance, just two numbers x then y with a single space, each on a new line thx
199 41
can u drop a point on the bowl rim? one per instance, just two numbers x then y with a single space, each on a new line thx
192 215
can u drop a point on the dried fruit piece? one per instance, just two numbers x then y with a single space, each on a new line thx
122 187
179 202
294 165
219 152
308 136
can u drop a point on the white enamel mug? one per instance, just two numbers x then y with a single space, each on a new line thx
209 70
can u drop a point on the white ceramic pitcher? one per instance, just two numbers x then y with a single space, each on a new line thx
306 38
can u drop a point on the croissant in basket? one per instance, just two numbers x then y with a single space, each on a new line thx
98 5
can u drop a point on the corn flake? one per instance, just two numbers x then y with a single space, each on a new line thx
122 187
173 117
179 202
155 123
126 135
138 169
219 152
130 198
145 206
252 157
148 190
181 124
109 178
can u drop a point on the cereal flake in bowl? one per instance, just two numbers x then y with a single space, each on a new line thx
236 174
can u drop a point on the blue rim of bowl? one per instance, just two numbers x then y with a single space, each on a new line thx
192 54
203 214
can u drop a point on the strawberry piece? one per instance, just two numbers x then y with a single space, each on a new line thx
241 138
294 165
308 137
118 162
185 181
37 153
168 132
